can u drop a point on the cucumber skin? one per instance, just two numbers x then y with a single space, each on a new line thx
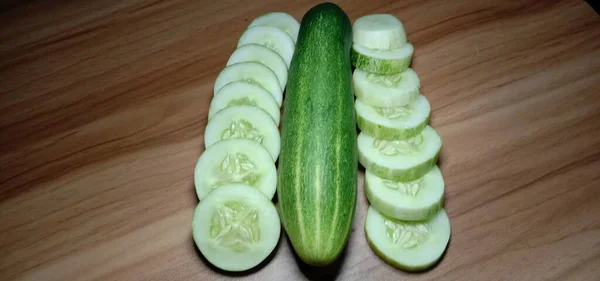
379 131
318 163
379 66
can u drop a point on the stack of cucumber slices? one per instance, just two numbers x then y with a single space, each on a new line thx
406 224
235 225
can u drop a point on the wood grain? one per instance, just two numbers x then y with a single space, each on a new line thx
104 105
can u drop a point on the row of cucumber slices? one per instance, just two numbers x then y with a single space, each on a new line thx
406 224
235 225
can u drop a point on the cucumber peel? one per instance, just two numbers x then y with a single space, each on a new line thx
382 61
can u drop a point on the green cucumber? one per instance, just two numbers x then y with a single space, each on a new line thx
246 122
280 20
411 201
410 246
379 31
385 62
317 183
244 93
235 161
393 123
386 90
400 160
264 55
236 227
251 72
270 37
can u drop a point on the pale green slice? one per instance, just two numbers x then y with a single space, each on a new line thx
393 123
251 72
246 122
280 20
411 201
244 93
236 227
410 246
235 161
264 55
400 160
386 90
384 62
272 38
379 31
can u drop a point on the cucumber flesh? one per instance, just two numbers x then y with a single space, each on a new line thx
411 201
386 90
272 38
379 31
410 246
244 93
235 227
251 72
264 55
385 62
400 160
235 161
280 20
393 123
245 122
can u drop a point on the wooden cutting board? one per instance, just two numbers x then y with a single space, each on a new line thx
104 104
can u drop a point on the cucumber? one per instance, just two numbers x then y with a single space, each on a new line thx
244 93
264 55
410 246
379 31
386 90
280 20
246 122
235 161
400 160
235 227
251 72
270 37
385 62
393 123
317 181
411 201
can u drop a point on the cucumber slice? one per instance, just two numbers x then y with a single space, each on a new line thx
382 61
235 161
411 201
272 38
244 122
379 31
410 246
264 55
280 20
251 72
386 90
235 227
244 93
393 123
400 160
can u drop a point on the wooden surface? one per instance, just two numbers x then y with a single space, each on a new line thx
104 104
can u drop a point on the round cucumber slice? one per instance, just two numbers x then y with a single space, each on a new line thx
235 227
280 20
382 61
386 90
235 161
379 31
400 160
244 93
393 123
251 72
264 55
411 201
410 246
244 122
272 38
